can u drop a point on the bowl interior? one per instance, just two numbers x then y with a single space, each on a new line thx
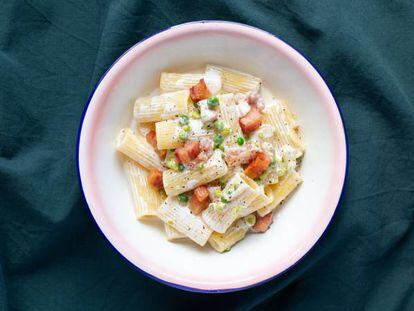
300 221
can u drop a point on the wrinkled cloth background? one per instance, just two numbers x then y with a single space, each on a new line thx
52 53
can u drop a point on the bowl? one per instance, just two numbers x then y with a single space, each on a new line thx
297 225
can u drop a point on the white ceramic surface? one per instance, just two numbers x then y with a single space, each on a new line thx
297 226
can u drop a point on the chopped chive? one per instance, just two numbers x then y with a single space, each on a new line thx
182 198
222 183
224 200
184 120
225 132
219 206
200 166
250 220
183 135
212 102
212 206
181 167
219 125
172 164
218 139
221 147
217 193
195 114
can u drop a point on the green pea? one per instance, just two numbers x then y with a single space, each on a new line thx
182 198
221 147
212 102
184 120
195 114
186 128
240 141
183 135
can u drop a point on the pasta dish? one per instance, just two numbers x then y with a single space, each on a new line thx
212 155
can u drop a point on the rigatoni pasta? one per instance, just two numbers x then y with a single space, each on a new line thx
280 191
161 107
167 134
234 81
230 115
262 199
210 157
180 218
178 81
184 81
223 242
179 182
277 116
238 195
146 199
173 234
135 147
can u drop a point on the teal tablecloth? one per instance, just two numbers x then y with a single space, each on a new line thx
53 256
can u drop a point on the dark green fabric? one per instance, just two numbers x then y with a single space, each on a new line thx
53 256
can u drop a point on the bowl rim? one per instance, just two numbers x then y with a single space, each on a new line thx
304 65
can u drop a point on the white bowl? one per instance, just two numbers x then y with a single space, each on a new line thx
297 225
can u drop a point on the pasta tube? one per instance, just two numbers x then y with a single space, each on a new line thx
172 234
230 115
263 198
138 149
276 115
184 81
179 182
167 134
178 81
183 220
222 242
230 173
161 107
239 192
146 199
281 190
235 81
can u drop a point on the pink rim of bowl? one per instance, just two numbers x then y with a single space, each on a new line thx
86 142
